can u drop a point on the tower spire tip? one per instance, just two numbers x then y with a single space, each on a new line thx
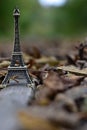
16 12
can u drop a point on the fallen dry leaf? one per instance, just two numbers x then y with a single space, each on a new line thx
74 70
4 64
47 118
31 122
53 81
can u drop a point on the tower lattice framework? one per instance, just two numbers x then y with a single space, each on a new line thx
17 71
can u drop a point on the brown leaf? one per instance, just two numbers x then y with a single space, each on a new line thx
2 75
64 102
15 78
50 60
77 92
53 81
34 52
43 96
47 119
74 70
27 58
72 80
4 64
31 122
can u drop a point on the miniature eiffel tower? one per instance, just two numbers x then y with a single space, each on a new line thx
17 69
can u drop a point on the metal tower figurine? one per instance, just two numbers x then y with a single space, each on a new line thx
17 69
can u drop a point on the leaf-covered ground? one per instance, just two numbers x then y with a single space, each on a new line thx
60 101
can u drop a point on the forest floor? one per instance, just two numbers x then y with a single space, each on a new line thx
60 71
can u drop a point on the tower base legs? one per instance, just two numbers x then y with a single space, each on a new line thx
17 77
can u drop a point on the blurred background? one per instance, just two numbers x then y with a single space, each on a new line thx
45 21
45 18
